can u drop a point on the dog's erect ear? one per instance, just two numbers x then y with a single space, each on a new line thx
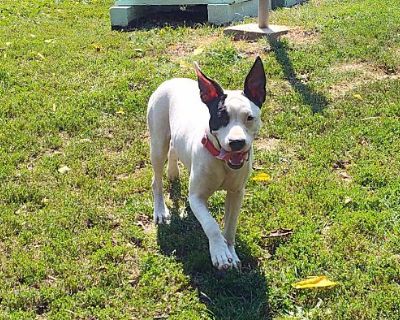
254 85
209 89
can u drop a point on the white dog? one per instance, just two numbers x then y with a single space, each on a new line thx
211 131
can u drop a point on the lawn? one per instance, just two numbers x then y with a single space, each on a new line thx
76 233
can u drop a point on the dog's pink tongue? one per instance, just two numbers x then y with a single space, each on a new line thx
236 158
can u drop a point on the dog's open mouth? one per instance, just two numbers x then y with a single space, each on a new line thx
236 160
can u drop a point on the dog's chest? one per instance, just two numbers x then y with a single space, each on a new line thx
235 180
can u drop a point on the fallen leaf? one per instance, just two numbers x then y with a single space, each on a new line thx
138 53
51 278
8 44
325 230
314 282
358 97
64 169
49 40
41 56
344 175
198 51
120 111
262 177
280 233
347 200
257 167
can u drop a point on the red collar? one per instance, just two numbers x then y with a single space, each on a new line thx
222 154
209 146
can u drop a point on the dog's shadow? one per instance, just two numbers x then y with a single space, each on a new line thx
227 295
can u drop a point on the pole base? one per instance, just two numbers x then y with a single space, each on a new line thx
252 31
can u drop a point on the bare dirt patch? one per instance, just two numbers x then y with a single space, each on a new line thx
249 48
192 47
397 53
361 73
362 67
300 37
145 222
179 50
278 86
340 167
266 144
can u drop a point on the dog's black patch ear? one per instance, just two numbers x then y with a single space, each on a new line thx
254 85
209 89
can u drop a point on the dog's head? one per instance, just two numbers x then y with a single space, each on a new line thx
235 115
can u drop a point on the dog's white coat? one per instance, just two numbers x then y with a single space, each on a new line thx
178 120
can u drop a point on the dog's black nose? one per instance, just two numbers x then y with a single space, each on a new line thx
237 145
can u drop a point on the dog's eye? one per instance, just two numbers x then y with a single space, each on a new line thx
250 118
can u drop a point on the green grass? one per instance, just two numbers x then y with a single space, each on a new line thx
81 245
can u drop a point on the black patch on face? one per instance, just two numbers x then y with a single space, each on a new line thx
218 114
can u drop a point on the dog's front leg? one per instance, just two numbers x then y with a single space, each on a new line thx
221 257
233 204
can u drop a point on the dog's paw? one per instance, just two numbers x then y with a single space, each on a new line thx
235 259
221 257
162 216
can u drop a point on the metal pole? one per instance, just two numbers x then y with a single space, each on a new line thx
263 13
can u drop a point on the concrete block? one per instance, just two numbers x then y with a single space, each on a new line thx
252 31
225 13
122 16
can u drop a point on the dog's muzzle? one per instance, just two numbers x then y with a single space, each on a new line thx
234 159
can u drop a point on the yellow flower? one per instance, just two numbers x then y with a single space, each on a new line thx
262 177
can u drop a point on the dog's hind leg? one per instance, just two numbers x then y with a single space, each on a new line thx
173 169
158 123
161 212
